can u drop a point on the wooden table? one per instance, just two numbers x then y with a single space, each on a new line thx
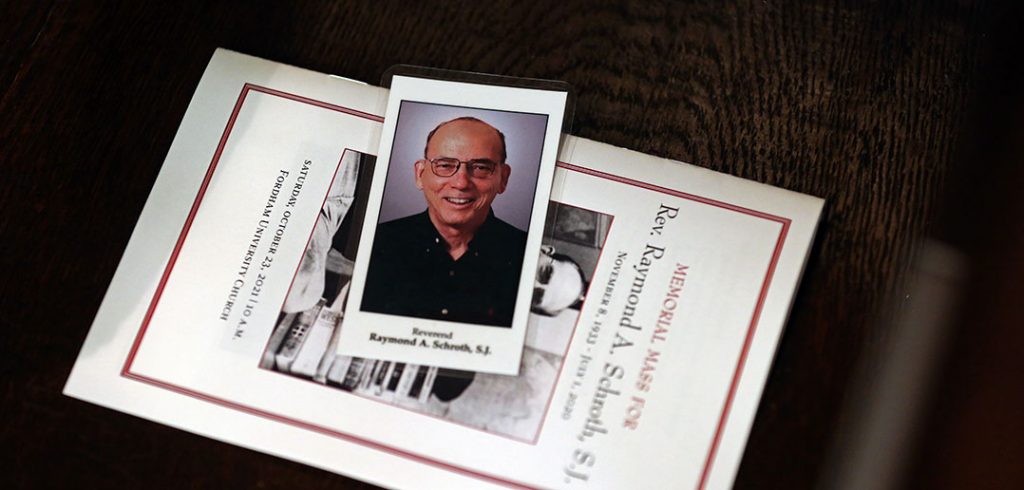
865 105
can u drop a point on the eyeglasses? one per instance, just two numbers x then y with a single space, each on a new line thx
447 167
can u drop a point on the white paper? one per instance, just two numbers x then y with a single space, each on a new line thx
655 383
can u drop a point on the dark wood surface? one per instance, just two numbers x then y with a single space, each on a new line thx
861 103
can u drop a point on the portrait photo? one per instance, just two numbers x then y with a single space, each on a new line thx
457 203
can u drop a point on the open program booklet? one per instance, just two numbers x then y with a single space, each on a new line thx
661 292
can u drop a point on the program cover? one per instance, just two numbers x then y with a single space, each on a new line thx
660 293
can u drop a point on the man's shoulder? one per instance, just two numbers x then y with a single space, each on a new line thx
506 228
504 233
398 236
409 224
404 222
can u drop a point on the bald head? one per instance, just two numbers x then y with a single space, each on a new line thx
469 127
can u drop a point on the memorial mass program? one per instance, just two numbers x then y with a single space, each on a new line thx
271 225
632 329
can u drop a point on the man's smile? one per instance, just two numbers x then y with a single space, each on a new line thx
459 201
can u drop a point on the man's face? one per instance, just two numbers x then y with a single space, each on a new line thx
558 284
462 202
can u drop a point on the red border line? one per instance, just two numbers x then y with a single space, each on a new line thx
741 363
136 344
184 232
673 192
307 100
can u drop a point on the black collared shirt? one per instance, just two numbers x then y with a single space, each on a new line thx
411 273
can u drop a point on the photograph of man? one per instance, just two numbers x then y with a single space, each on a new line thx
456 260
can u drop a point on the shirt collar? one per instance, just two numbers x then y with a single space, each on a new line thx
426 231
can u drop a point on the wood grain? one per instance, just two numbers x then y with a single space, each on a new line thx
857 102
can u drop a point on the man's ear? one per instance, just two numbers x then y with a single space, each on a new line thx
506 170
418 169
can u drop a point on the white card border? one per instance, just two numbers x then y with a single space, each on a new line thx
505 344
